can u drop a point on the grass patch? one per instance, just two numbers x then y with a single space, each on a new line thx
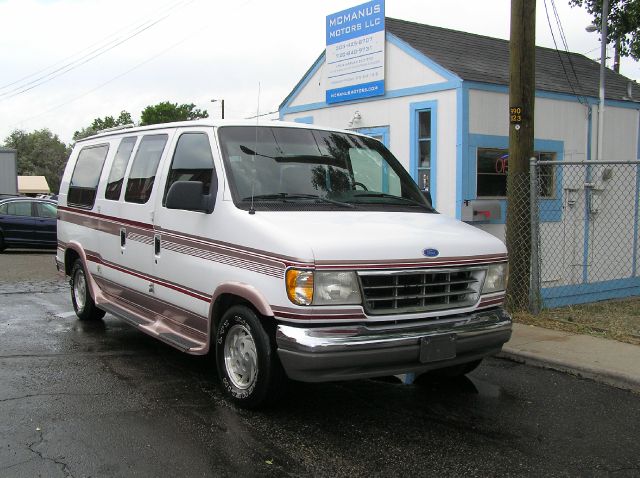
617 319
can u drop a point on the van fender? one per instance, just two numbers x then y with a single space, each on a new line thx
96 292
246 292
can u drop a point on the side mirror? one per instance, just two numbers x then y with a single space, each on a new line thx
188 195
427 194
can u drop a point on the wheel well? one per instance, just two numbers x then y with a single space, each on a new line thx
70 257
225 301
222 304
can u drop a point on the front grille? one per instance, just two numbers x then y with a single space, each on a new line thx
401 292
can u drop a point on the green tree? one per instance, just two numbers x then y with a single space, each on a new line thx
40 153
103 123
623 25
166 112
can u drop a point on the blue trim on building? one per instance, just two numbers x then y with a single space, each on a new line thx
475 85
550 209
422 58
382 131
304 119
583 293
414 151
312 71
462 144
418 90
587 202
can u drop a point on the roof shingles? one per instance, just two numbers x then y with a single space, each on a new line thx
485 59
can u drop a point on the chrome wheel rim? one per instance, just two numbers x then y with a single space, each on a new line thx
80 289
240 357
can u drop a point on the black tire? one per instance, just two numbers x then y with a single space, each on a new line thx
2 244
83 303
249 370
456 370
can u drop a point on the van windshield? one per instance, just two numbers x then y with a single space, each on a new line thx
279 168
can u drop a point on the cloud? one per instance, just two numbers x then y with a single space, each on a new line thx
203 49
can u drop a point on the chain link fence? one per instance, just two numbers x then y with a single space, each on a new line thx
582 234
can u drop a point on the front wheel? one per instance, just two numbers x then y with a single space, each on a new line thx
83 303
248 367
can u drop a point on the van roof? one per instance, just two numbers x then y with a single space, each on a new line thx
208 122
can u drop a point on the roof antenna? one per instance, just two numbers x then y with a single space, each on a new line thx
255 149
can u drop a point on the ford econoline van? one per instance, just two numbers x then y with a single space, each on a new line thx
287 251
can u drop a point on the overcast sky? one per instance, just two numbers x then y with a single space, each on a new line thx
191 51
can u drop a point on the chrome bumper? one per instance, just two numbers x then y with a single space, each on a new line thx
318 354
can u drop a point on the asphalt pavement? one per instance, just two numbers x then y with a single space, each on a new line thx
103 399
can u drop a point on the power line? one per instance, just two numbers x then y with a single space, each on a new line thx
90 47
559 55
566 45
135 67
262 114
75 64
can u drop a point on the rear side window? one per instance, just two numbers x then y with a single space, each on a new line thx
86 175
44 209
143 170
18 208
192 161
120 162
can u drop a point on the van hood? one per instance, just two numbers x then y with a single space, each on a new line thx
367 236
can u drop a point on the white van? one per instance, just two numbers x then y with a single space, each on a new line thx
286 250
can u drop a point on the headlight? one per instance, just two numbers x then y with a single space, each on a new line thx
322 287
496 279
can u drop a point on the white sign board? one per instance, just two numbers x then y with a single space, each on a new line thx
354 59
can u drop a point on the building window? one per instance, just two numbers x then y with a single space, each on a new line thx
493 165
424 149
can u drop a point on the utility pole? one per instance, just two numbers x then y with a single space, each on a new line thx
603 64
521 118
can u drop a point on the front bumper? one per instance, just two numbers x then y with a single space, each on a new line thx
320 354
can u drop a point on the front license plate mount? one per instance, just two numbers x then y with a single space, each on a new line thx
437 348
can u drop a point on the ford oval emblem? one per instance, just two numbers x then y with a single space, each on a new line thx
430 252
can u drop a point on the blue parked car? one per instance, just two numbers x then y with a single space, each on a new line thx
28 223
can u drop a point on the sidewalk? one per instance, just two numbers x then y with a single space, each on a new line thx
607 361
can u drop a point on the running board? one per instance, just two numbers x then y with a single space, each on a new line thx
178 341
181 343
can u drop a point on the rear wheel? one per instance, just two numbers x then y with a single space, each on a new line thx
83 303
246 358
2 244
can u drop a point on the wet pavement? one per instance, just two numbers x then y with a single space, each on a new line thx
102 399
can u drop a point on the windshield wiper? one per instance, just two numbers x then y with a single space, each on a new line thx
284 196
365 194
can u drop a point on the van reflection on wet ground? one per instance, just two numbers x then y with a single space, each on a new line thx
90 327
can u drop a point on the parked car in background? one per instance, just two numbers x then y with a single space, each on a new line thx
28 222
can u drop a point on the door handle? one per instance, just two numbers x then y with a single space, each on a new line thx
156 244
123 237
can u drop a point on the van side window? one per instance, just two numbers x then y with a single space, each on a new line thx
120 162
143 170
86 175
192 161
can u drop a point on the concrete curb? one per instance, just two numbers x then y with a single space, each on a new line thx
598 374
